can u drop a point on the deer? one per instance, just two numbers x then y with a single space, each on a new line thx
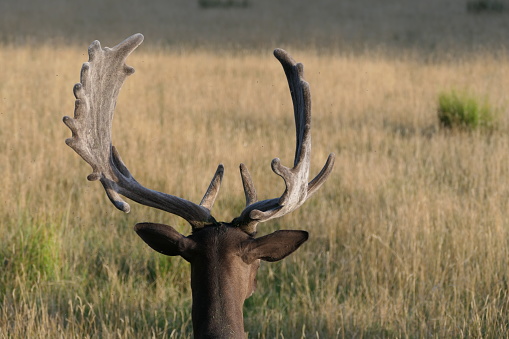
224 256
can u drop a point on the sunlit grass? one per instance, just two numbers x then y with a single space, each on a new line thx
409 237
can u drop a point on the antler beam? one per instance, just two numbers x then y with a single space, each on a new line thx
298 190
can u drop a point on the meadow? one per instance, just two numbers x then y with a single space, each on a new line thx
408 238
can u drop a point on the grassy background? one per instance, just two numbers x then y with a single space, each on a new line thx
432 26
409 237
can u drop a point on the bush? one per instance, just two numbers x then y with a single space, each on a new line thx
223 3
481 6
464 111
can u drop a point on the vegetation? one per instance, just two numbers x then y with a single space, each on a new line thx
408 238
462 110
223 3
432 28
481 6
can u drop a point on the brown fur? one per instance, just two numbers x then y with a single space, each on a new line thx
224 261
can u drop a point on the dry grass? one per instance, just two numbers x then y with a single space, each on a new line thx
409 237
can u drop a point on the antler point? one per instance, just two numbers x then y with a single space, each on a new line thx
77 90
138 36
276 164
94 176
121 205
126 208
69 142
129 70
93 48
70 123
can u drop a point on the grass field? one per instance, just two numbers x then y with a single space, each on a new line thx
409 237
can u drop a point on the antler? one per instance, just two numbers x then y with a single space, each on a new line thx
298 190
101 80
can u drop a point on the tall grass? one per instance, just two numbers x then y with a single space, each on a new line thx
409 237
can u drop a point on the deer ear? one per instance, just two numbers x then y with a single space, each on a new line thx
274 246
165 239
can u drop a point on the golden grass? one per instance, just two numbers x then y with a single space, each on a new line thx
409 237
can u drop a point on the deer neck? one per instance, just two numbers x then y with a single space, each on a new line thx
218 285
217 310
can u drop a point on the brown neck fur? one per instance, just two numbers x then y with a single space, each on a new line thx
217 312
224 262
220 282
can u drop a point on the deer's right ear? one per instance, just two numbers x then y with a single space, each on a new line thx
165 239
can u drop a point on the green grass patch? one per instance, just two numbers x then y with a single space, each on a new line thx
34 253
462 110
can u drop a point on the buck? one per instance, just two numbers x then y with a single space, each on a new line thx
224 256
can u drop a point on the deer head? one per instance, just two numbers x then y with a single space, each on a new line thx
224 256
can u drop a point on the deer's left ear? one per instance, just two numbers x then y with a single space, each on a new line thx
165 239
274 246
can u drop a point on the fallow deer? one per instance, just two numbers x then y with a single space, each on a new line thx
224 256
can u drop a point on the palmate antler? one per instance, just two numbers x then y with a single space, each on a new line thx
96 94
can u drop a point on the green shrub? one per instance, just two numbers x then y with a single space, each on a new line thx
33 253
481 6
223 3
462 110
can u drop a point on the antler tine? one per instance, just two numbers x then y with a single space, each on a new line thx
296 179
247 182
101 80
210 196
